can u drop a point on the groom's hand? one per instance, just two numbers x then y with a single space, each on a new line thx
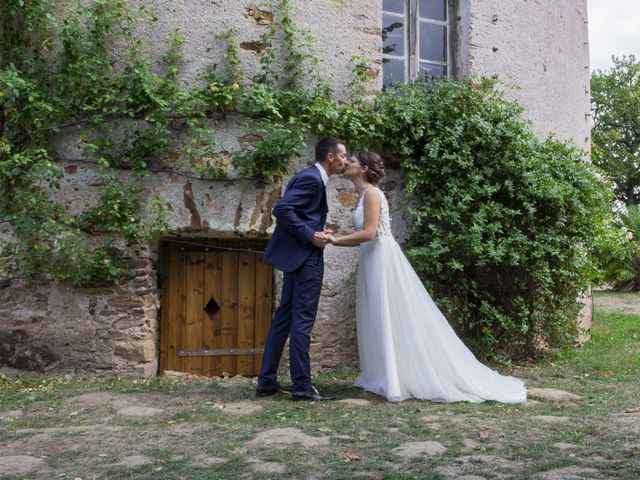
320 239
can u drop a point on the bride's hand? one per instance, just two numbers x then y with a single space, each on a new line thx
333 238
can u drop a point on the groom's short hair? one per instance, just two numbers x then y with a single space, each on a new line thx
327 145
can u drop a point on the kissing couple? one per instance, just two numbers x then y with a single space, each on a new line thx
406 346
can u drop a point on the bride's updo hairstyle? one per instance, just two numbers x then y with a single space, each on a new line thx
373 162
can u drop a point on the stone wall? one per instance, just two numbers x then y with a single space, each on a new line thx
539 46
341 28
48 327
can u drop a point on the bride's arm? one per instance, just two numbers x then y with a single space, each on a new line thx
371 215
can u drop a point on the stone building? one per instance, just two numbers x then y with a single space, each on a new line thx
540 46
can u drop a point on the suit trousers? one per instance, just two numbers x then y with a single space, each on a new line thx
294 318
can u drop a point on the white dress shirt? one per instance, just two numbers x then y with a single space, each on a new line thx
323 174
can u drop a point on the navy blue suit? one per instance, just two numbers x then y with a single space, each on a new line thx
300 213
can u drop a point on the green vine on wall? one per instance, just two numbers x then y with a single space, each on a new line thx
60 71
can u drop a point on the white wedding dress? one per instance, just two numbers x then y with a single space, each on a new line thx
407 348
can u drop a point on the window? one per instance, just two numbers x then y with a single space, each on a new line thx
416 38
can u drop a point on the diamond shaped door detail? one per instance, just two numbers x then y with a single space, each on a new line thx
211 308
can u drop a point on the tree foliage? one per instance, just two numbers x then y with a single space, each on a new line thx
615 95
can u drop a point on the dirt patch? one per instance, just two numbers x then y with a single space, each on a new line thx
553 395
132 461
21 465
238 409
36 407
98 401
621 304
628 422
367 475
283 437
552 419
118 441
11 414
207 461
258 465
137 411
470 444
237 381
431 418
566 473
496 467
565 446
412 450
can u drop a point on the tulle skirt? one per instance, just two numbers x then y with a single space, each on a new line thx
407 348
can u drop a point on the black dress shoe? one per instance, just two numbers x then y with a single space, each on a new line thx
310 395
272 389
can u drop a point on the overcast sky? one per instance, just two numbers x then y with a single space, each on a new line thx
614 29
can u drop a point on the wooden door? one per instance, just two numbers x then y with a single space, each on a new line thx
216 307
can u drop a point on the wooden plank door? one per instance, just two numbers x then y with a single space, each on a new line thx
216 307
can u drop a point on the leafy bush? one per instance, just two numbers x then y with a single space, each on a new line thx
503 220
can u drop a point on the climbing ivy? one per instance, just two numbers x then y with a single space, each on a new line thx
61 72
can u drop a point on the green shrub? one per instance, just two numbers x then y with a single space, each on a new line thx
620 251
503 220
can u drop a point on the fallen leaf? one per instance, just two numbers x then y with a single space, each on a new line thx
350 457
608 373
632 410
483 434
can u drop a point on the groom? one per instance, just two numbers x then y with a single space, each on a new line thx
296 248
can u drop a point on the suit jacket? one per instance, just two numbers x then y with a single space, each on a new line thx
300 213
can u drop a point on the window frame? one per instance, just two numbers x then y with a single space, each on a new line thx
411 55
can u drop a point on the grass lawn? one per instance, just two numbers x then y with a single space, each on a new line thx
164 428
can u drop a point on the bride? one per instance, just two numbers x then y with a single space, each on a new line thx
407 348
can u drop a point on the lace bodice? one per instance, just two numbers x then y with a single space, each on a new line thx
384 222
